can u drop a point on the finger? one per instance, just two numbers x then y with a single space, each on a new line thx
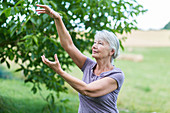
56 58
40 12
43 6
42 59
45 59
40 9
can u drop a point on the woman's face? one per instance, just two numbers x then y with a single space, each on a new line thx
101 49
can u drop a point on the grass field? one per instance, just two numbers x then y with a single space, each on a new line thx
145 90
146 87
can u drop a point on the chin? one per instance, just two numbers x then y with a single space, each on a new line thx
94 56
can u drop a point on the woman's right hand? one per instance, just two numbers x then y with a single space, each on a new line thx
53 65
46 9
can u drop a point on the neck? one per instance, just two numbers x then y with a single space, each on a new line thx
103 65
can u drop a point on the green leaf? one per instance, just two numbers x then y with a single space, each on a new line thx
13 11
19 2
45 2
54 5
32 56
33 20
27 37
39 22
11 56
45 17
8 65
18 70
35 40
64 100
121 45
34 89
1 11
25 72
7 12
3 60
13 30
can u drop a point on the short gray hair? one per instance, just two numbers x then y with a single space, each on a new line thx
112 39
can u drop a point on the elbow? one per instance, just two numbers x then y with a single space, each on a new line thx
67 46
88 93
85 93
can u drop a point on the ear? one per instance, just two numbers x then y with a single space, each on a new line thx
112 52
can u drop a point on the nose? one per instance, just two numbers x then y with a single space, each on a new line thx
94 46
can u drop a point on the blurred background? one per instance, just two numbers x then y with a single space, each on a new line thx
144 60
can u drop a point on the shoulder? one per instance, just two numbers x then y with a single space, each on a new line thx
116 74
88 63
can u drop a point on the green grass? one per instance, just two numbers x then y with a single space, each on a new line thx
145 90
146 86
16 97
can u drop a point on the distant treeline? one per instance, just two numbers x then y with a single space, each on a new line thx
167 26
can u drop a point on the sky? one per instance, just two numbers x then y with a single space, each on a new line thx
157 16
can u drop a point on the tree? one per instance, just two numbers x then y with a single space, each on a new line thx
25 36
167 26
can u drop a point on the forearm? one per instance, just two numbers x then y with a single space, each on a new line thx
77 84
64 36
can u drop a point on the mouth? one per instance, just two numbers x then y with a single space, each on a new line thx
94 52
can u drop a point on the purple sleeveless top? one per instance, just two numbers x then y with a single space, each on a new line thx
102 104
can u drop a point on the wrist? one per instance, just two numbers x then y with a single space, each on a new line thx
57 19
60 72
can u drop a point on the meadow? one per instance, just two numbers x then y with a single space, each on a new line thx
145 89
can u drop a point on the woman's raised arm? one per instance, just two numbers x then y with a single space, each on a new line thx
64 36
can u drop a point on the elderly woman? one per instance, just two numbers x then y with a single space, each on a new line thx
102 81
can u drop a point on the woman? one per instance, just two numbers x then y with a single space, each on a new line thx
101 83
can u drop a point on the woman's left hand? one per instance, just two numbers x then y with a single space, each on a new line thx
53 65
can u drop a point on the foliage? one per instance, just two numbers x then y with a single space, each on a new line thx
167 26
25 36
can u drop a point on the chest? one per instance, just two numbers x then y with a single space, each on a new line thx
97 72
89 76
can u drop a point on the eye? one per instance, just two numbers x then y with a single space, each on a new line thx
100 43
